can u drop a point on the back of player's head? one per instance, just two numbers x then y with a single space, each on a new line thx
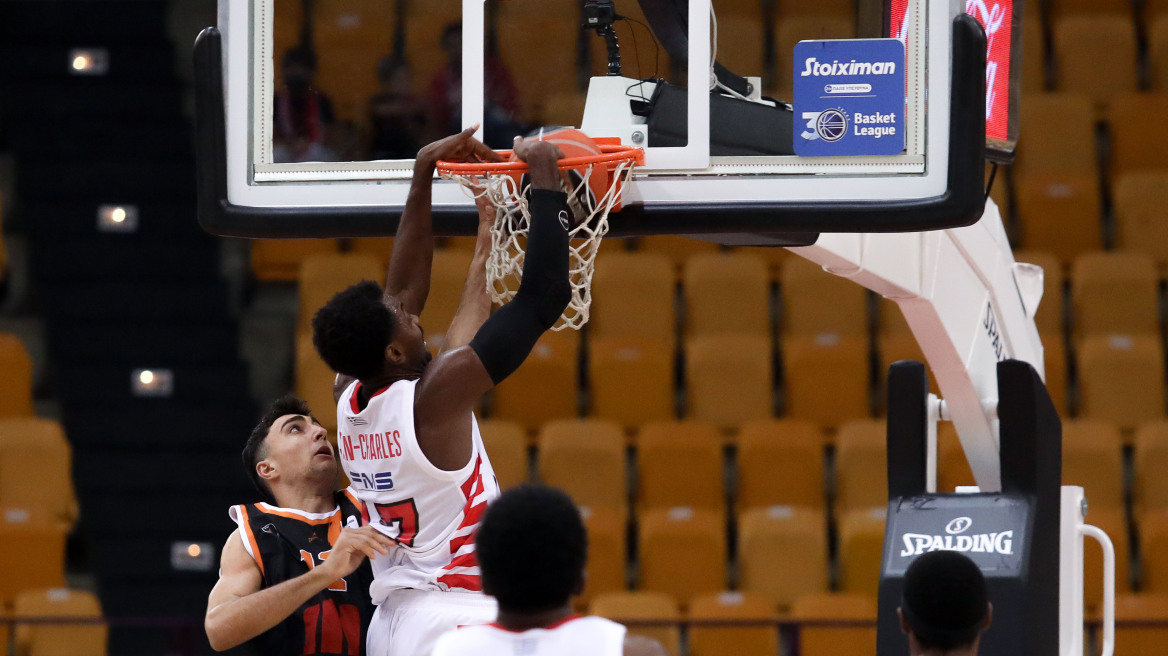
255 450
531 549
944 602
352 331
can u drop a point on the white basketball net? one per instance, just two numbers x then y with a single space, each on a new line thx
513 220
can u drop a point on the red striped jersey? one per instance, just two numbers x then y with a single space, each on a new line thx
574 636
432 514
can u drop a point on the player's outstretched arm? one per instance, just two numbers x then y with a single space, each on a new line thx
475 304
413 248
455 380
240 608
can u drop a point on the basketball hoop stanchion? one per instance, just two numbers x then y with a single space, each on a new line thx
504 184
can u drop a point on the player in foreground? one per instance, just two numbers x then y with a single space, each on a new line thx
532 548
406 429
944 608
294 577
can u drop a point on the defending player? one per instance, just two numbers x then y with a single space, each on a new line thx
532 548
408 437
944 608
294 577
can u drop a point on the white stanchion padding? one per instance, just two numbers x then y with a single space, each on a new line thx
1108 585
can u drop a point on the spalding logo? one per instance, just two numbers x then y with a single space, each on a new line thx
916 544
959 525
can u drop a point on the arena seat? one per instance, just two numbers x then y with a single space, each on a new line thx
837 8
546 386
323 275
861 546
1090 8
1115 293
1150 461
1121 379
1055 361
35 468
1138 138
1111 520
952 466
741 41
631 379
16 383
1059 213
679 463
1001 192
1049 317
826 362
350 37
1158 53
728 379
896 347
447 280
819 638
540 46
682 552
861 477
569 447
1140 204
1153 531
314 383
1060 134
1093 459
278 260
506 445
727 293
564 108
1095 56
774 256
1034 63
1141 624
606 569
815 302
379 247
678 248
32 551
59 639
782 553
652 614
423 38
705 640
632 296
822 22
780 462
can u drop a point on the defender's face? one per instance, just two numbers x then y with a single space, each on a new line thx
299 448
410 337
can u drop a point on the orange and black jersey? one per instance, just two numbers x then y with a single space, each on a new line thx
287 543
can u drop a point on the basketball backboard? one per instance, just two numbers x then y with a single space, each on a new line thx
687 185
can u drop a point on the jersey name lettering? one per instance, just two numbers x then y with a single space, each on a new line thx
374 446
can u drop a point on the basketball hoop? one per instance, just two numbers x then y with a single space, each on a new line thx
504 185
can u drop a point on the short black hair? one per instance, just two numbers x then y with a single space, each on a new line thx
353 329
302 55
532 547
944 600
255 451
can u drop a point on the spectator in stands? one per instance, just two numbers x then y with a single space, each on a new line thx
944 609
500 122
397 114
303 117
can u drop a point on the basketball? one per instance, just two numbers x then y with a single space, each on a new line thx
582 194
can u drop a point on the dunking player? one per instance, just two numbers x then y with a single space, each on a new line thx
408 437
532 548
944 608
294 578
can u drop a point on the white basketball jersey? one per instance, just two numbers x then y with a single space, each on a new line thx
432 514
575 636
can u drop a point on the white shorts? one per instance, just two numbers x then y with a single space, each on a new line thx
410 621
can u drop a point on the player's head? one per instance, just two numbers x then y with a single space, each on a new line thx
298 66
289 448
944 608
531 548
367 334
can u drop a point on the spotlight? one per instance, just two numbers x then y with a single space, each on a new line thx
152 382
89 61
192 556
117 218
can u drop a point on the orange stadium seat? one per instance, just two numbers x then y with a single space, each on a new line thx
782 553
16 383
1060 135
682 552
816 302
1121 379
840 8
729 379
1141 203
1112 522
314 382
540 47
1095 56
585 458
278 260
1055 361
506 445
323 275
818 23
1138 138
1059 213
1001 193
1050 310
546 385
632 296
861 470
607 556
447 280
727 293
678 248
812 365
1034 63
423 38
287 26
817 637
740 41
1141 624
1093 8
1158 53
1151 461
379 247
775 257
680 464
1153 532
36 468
952 466
760 638
563 108
1115 293
861 548
780 462
631 380
351 37
59 639
650 614
32 551
1093 459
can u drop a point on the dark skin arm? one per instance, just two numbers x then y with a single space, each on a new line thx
475 304
455 380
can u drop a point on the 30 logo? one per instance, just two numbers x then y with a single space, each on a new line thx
830 125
